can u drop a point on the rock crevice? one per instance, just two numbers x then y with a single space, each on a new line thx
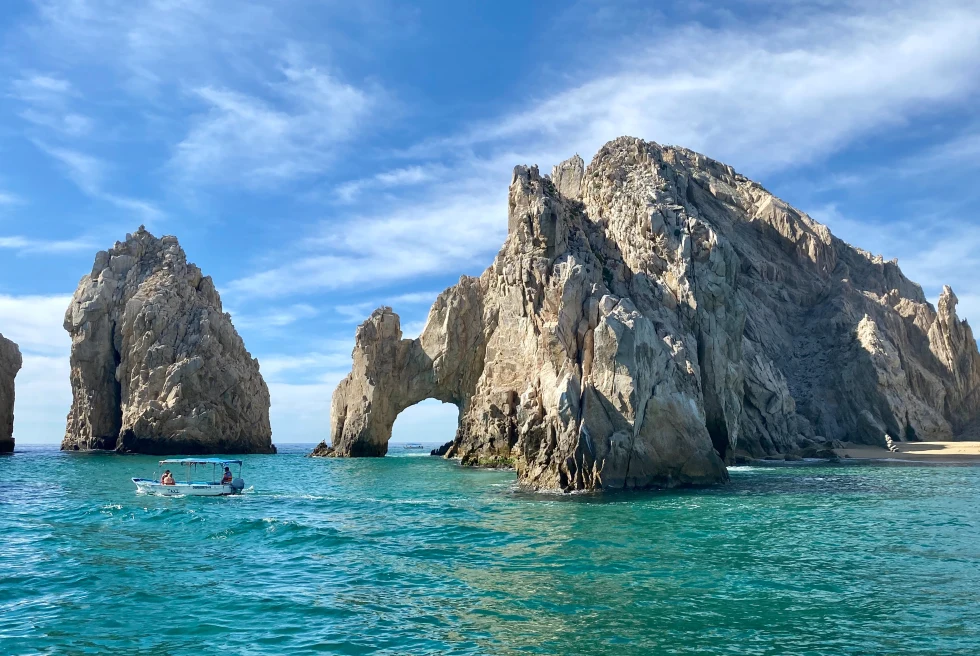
652 313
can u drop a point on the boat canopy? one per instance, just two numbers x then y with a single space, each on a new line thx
199 461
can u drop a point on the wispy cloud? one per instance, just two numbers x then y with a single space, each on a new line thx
35 322
272 318
401 177
85 171
263 142
763 96
25 245
447 234
8 199
357 312
88 173
49 103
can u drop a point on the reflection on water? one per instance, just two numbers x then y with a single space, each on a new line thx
417 555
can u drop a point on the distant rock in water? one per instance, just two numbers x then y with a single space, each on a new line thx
322 450
442 450
10 363
649 314
156 365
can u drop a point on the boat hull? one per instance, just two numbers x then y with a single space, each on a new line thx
147 486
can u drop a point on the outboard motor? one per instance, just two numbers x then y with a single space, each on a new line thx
237 485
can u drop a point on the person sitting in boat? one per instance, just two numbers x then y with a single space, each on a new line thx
167 478
227 478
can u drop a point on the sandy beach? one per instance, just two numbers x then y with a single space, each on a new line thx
921 451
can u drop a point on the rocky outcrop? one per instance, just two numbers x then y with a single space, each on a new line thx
10 363
156 365
651 313
321 450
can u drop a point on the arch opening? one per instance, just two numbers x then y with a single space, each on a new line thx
429 422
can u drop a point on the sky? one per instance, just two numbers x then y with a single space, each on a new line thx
319 159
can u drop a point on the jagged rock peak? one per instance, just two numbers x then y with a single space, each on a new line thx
10 364
651 314
156 364
567 177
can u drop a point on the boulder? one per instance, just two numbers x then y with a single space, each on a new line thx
10 363
156 364
648 313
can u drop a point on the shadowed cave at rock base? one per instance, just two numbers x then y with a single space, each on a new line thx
653 314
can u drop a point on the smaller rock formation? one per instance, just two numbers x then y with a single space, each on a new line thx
322 450
156 365
10 363
442 450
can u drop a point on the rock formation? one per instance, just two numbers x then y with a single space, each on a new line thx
10 363
649 314
156 365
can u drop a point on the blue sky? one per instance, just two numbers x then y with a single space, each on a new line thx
320 158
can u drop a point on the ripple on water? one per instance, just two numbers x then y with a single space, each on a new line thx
416 555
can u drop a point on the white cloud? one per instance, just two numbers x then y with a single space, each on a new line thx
7 199
275 317
49 101
85 171
42 399
35 322
358 312
407 176
43 391
88 173
765 96
26 245
71 124
264 142
761 96
300 413
448 233
314 365
42 90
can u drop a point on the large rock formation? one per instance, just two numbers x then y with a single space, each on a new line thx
10 363
156 365
651 313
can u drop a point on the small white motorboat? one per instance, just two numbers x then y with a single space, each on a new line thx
215 486
413 446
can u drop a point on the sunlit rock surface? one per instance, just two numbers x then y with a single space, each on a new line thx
649 314
156 365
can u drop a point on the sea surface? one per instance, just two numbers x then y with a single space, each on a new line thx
415 555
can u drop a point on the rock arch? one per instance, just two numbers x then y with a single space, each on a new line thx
391 374
650 313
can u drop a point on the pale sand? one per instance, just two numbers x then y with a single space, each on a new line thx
923 451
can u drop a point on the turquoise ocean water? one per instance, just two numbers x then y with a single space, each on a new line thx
417 555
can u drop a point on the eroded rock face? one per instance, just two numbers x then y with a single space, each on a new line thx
651 313
10 363
156 365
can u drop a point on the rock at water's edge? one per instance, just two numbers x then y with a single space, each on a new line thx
649 313
442 450
321 450
156 365
10 363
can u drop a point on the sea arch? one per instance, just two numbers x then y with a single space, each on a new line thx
390 374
